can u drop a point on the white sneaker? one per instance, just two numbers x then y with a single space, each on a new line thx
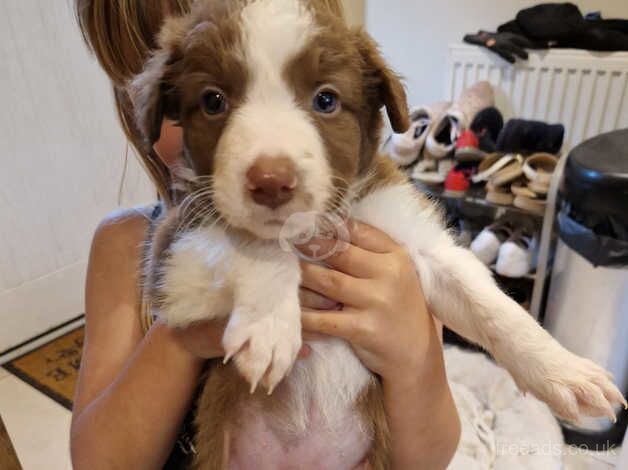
516 255
486 246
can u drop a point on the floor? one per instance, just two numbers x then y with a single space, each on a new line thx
36 422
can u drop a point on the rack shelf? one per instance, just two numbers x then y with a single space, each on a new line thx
475 195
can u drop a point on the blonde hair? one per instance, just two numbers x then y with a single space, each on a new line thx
122 34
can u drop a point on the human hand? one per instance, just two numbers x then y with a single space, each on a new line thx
384 315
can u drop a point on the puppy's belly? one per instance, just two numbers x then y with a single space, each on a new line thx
311 422
256 446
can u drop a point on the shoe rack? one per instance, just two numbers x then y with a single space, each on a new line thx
473 204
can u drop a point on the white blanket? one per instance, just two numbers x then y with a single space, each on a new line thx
501 428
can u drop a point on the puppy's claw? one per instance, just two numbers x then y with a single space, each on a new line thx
227 358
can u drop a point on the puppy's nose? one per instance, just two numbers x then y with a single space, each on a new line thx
271 181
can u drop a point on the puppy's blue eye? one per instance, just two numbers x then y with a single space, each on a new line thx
214 102
325 102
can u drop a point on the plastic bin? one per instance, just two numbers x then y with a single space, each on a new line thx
587 307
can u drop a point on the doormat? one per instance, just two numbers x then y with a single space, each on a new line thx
53 367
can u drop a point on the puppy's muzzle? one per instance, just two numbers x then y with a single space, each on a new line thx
271 181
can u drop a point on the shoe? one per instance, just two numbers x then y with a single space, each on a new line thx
486 245
531 192
515 258
468 148
490 165
529 137
457 182
430 171
442 138
405 149
487 125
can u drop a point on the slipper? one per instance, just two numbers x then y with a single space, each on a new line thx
509 173
528 137
499 195
538 188
432 172
515 255
442 138
487 125
486 245
520 188
405 149
491 164
539 168
536 206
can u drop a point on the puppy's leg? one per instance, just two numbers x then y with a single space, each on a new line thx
461 292
264 329
370 405
192 280
216 413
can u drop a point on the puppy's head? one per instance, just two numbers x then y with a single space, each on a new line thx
279 103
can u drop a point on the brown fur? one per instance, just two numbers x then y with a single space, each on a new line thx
203 48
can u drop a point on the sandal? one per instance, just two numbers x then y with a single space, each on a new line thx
539 168
536 206
491 165
499 194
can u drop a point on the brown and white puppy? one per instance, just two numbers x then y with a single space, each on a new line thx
280 107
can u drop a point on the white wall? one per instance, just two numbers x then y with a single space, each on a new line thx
415 34
61 164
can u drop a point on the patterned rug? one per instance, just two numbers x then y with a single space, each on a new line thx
53 367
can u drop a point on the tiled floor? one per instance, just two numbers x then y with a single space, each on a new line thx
39 429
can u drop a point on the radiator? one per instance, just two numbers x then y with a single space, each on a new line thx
586 92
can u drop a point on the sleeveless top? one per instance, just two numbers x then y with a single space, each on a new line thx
183 451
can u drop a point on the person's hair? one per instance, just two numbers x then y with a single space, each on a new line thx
122 34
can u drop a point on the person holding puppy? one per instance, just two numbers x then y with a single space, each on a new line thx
138 378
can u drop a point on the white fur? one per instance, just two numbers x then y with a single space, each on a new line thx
270 122
261 282
211 275
461 292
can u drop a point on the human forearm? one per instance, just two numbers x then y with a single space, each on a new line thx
422 417
135 420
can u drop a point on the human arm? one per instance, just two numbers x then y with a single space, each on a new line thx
133 391
385 319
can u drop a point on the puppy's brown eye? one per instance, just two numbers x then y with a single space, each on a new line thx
214 102
325 102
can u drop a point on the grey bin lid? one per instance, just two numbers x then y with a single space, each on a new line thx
596 175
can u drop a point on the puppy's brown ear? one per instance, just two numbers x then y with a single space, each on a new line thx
153 92
381 80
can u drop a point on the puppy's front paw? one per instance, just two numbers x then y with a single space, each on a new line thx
264 346
571 385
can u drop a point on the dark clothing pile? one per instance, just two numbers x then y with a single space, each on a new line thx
548 25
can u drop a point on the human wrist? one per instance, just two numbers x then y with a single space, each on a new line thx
422 373
172 342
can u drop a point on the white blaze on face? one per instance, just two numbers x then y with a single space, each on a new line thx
269 122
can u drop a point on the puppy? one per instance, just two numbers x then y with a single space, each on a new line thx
280 107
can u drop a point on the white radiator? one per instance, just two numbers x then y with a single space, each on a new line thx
586 92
